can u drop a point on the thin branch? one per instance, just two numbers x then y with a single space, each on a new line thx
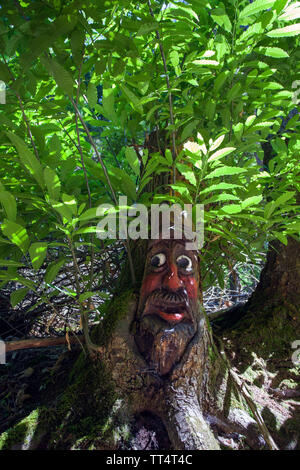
83 313
84 171
41 342
78 135
66 132
96 151
22 110
169 93
241 388
126 243
61 316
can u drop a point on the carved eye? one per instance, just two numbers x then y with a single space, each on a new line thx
158 260
184 262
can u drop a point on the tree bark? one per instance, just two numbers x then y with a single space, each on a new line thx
177 399
200 400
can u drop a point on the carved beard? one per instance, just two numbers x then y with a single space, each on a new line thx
161 342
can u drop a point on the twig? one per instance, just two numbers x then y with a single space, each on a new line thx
66 131
23 111
84 171
58 314
242 390
241 387
41 342
126 243
169 93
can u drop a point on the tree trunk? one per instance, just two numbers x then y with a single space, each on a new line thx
261 345
127 398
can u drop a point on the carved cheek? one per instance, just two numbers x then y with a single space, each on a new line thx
151 282
191 286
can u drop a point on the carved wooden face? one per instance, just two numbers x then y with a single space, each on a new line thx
167 316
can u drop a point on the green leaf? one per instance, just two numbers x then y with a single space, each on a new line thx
63 78
279 5
4 73
12 276
250 120
220 80
77 44
220 197
183 12
262 125
269 209
28 159
92 95
281 200
287 31
10 262
124 183
84 230
234 92
188 130
86 295
187 173
62 209
128 187
221 18
253 30
225 171
147 28
16 233
182 190
100 66
232 208
291 13
169 156
216 144
108 103
294 227
53 270
275 52
251 201
221 153
238 130
52 183
132 98
143 183
272 86
174 57
88 214
210 109
17 296
281 237
38 252
70 202
9 204
205 62
219 186
256 7
133 160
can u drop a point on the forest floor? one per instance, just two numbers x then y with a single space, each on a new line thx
23 380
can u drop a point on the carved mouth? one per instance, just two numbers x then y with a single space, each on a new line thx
170 307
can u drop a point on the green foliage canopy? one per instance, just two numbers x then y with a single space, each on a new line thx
86 81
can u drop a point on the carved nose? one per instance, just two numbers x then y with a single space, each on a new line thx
172 280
